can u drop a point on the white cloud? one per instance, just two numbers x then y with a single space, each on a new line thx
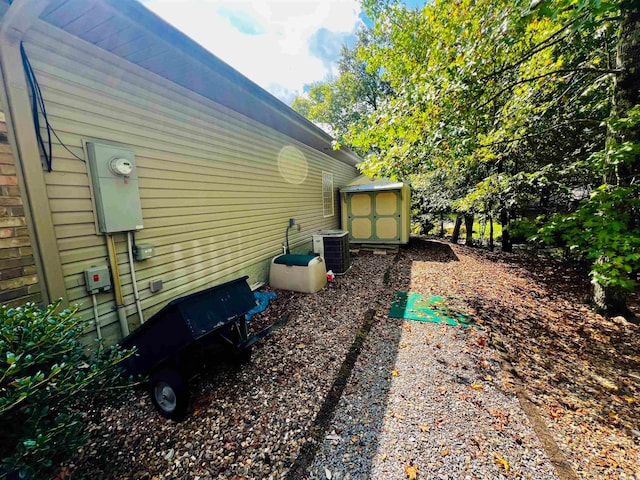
274 50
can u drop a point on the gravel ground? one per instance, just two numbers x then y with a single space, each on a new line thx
247 422
430 397
339 390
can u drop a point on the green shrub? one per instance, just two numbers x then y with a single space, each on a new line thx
523 229
423 224
604 230
47 378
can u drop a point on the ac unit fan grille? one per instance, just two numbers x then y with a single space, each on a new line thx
336 253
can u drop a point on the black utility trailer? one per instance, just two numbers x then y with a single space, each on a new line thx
180 338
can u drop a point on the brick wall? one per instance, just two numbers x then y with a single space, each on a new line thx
18 277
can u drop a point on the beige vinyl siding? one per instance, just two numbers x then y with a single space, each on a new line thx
215 205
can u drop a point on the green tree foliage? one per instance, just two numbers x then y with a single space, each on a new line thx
47 379
516 108
343 105
516 100
605 227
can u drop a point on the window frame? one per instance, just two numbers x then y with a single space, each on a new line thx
328 194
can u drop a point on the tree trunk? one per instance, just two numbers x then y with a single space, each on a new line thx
610 299
491 246
456 229
468 226
506 236
627 84
441 226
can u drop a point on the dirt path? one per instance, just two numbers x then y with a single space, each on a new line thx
581 370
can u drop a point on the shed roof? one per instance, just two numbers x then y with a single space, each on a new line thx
373 187
367 184
129 30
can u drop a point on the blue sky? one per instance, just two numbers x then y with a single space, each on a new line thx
282 45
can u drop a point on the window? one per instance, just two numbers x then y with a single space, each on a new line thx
327 194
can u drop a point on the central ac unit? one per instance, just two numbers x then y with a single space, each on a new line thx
333 246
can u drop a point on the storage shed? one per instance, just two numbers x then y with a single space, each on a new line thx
376 211
168 172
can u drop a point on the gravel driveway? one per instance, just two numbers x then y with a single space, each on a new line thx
338 391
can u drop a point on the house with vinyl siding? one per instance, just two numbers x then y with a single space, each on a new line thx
204 167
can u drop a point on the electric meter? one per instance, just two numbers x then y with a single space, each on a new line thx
114 176
121 166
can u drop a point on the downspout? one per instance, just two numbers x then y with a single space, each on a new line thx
17 21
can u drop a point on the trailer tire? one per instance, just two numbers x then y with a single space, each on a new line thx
243 356
169 394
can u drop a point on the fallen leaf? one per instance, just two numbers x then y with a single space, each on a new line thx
497 413
508 384
438 345
395 373
477 386
499 460
630 399
424 427
444 452
489 378
383 457
411 471
397 415
63 473
555 412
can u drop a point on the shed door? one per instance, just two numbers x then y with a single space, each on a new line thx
374 216
387 215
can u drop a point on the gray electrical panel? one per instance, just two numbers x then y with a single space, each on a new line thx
142 251
97 279
114 176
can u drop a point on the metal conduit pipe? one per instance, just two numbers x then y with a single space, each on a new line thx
134 281
117 288
96 316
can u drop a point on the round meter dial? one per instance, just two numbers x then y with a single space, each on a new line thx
121 166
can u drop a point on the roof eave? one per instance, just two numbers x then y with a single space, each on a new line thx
136 12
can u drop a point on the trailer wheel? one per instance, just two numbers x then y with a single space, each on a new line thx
243 356
169 394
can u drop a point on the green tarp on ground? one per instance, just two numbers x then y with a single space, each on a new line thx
426 308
